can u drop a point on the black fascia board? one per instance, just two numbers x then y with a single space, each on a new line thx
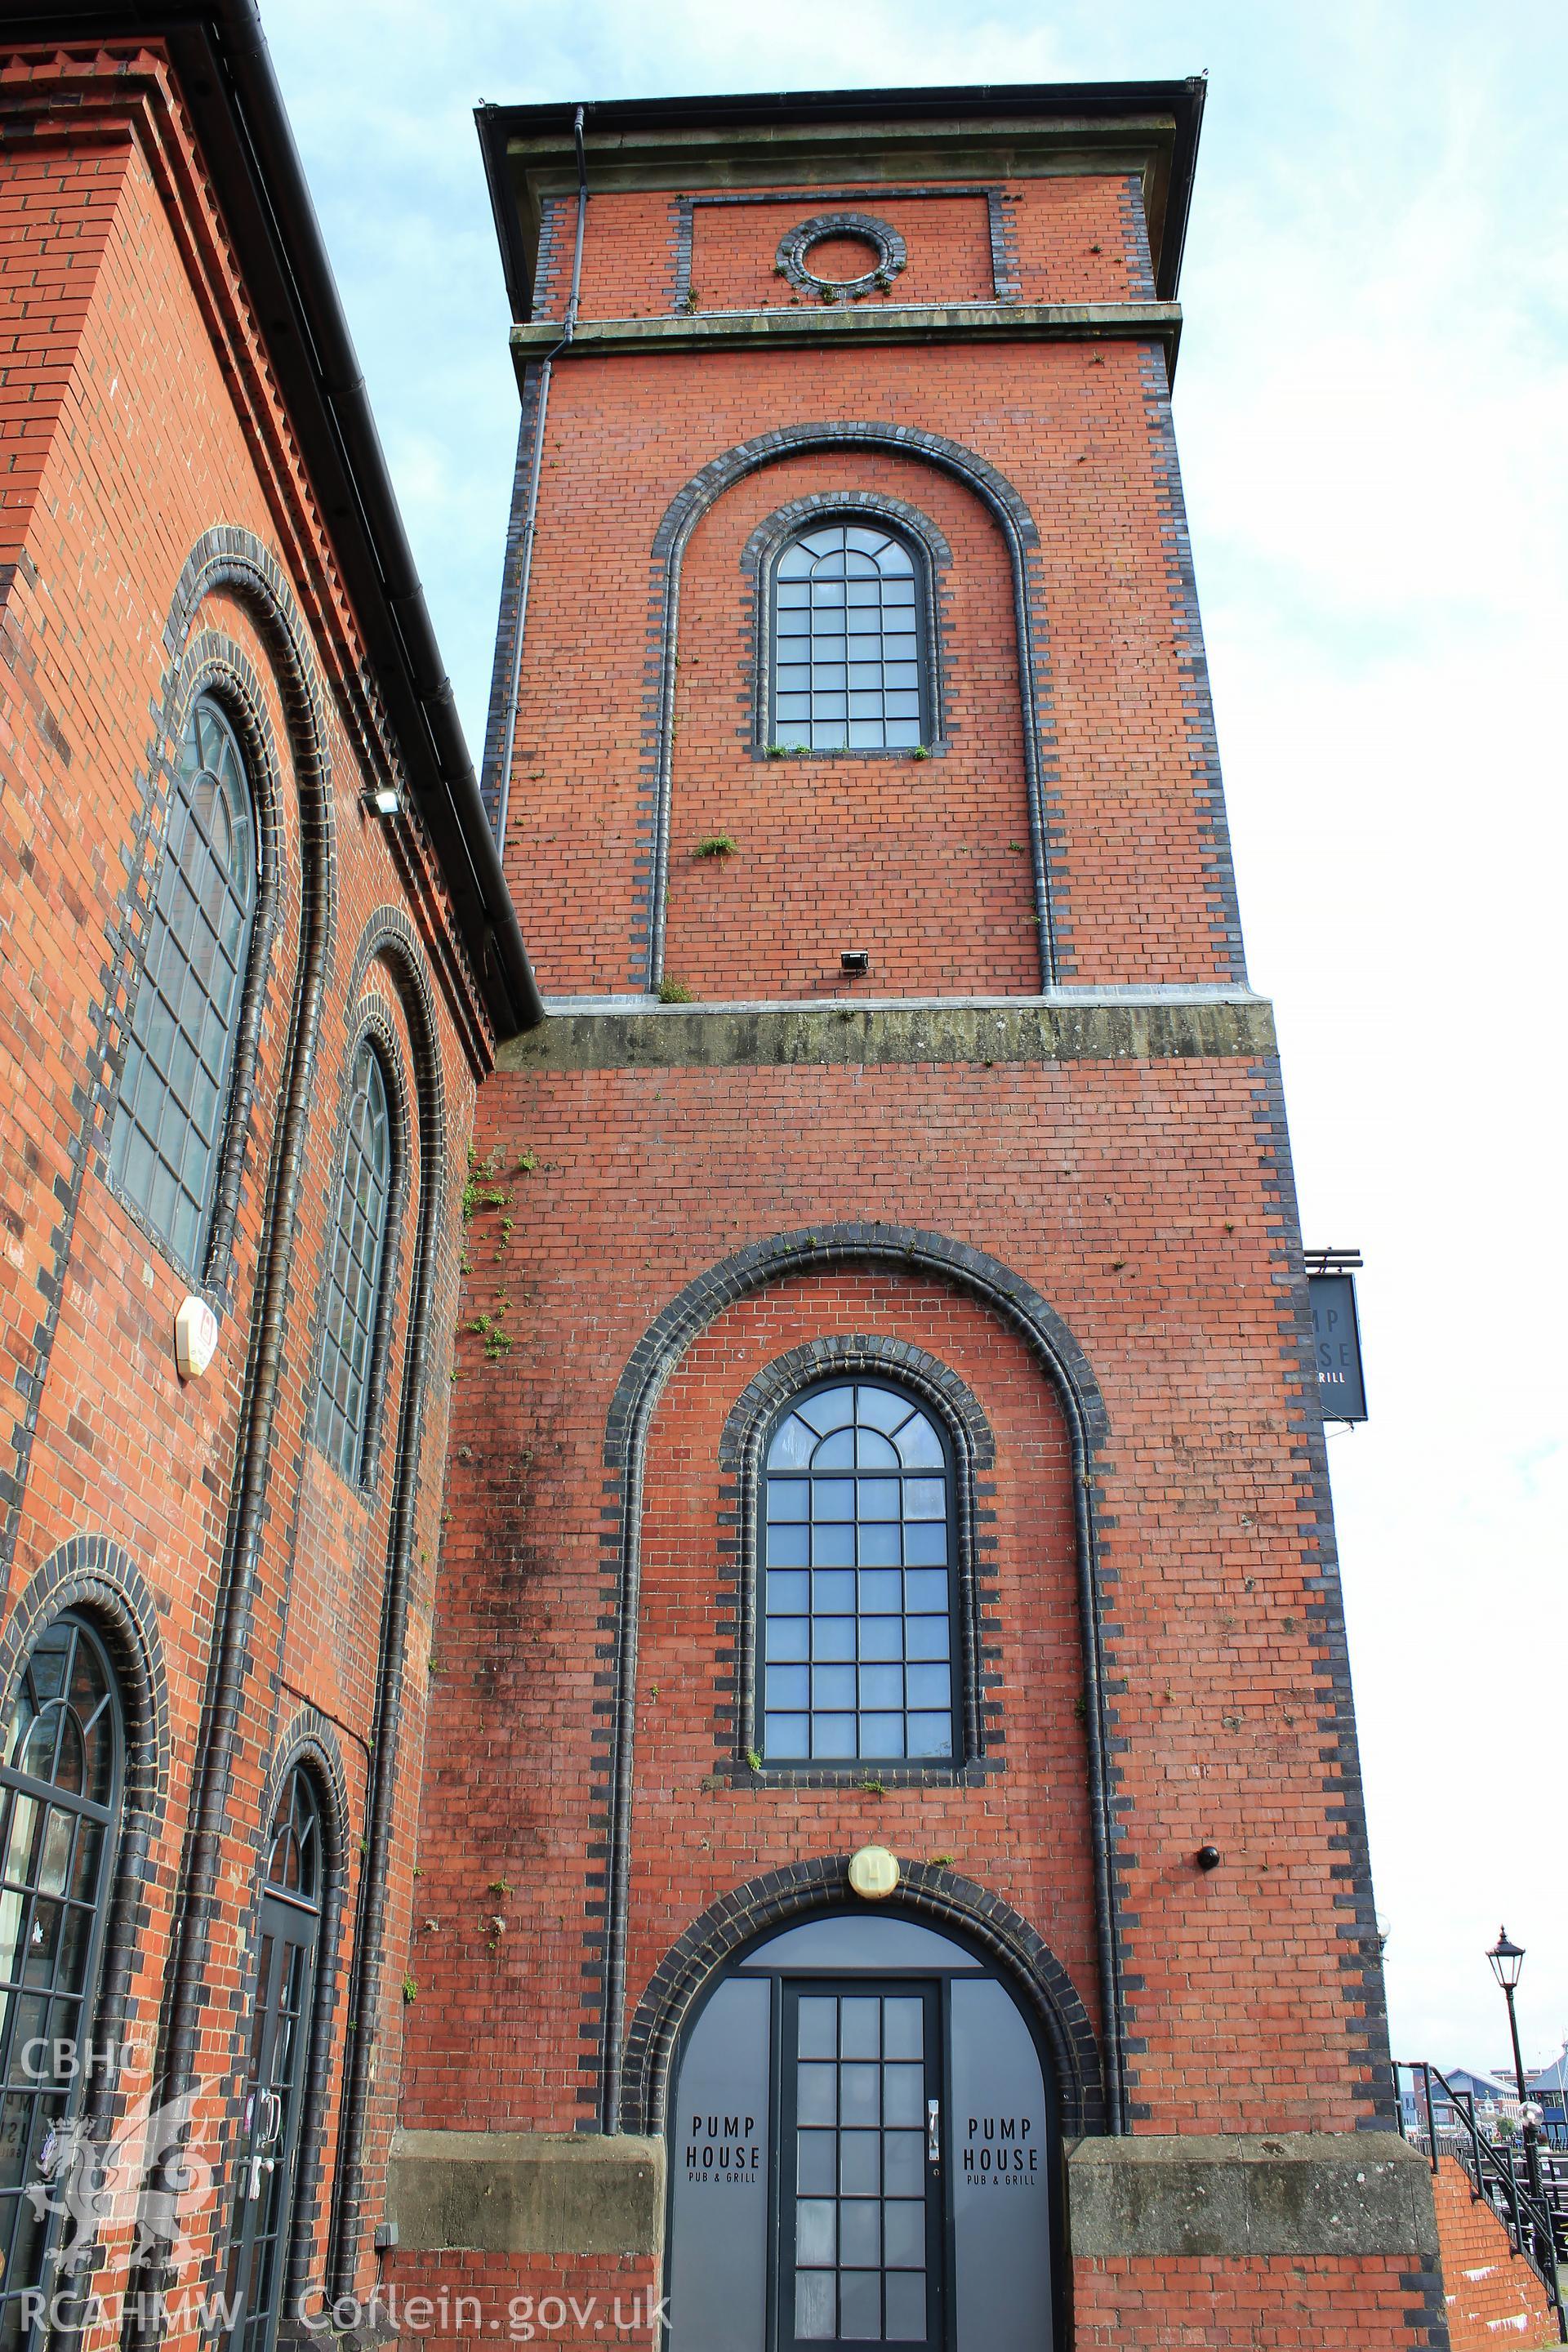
1105 101
227 81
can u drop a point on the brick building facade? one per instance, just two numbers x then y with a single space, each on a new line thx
851 736
830 1379
243 1005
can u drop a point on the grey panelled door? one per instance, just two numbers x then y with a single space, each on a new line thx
268 2153
861 2150
861 2236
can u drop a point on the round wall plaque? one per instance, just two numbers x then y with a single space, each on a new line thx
873 1872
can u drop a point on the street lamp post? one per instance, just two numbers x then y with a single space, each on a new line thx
1507 1960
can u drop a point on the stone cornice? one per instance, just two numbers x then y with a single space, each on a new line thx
885 322
867 145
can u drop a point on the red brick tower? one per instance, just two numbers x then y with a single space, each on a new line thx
885 1427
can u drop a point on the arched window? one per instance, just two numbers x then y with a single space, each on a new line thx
168 1125
60 1813
294 1850
353 1274
856 1566
849 669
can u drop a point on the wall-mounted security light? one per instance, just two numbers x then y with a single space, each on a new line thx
196 1337
856 959
386 800
873 1872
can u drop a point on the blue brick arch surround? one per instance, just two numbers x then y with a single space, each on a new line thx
1022 542
927 1893
647 1371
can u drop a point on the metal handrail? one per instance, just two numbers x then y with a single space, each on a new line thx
1536 2220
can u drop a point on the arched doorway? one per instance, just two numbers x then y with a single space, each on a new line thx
61 1781
862 2149
282 2008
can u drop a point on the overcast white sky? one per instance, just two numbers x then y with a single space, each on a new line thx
1372 407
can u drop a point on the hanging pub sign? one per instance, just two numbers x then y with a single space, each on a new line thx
1341 1391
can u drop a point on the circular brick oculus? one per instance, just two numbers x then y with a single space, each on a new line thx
797 244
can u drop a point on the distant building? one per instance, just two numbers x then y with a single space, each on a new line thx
1490 2092
1550 2088
1487 2098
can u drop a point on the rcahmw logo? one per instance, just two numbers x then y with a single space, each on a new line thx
147 2170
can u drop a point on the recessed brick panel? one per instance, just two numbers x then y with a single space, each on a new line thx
734 248
1131 845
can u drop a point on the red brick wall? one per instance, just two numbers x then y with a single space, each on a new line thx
1026 1834
1250 2302
1143 1197
1491 2293
1072 428
1069 238
57 210
150 419
924 863
1066 1174
628 258
734 249
569 2301
516 1712
1078 240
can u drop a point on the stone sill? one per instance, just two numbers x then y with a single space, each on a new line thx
526 2192
1344 2193
689 1036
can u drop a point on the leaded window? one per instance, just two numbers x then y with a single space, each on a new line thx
848 667
353 1274
59 1806
857 1570
168 1124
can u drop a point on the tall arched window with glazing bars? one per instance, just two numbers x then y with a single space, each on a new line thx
179 1057
857 1563
60 1786
850 668
354 1272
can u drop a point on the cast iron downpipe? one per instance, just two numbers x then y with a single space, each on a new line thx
1102 1827
531 518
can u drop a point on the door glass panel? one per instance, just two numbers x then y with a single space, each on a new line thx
861 2236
